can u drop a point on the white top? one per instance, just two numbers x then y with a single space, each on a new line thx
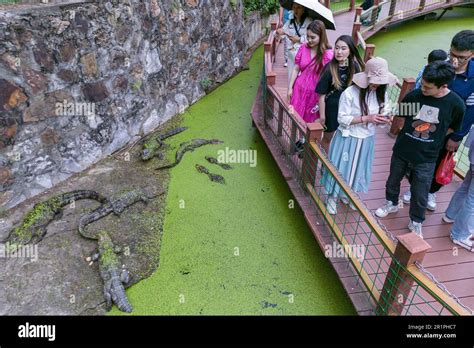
349 108
290 30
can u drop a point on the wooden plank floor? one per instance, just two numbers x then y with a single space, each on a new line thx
453 267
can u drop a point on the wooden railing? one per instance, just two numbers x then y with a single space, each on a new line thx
389 270
386 12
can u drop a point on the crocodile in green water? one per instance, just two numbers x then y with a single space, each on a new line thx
151 148
214 177
213 160
189 146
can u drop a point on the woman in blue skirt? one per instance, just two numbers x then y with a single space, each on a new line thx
362 106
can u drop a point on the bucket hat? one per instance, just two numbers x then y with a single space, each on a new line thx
376 72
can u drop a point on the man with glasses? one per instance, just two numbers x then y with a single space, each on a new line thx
460 56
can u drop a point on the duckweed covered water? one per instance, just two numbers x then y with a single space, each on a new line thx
236 248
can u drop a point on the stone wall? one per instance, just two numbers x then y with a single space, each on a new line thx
80 81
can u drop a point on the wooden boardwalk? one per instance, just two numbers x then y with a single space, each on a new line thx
452 268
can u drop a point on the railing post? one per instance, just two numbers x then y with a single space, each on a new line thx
280 120
398 122
327 3
314 132
355 30
375 12
352 5
369 52
391 12
358 13
269 108
398 283
422 5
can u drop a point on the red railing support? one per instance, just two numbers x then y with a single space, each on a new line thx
352 5
398 283
369 52
314 132
355 30
358 13
398 122
327 3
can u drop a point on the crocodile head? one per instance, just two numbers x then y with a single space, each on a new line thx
147 154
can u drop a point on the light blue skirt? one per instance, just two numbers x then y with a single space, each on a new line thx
353 158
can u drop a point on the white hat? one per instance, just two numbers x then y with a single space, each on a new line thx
376 72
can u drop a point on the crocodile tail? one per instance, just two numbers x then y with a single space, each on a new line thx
120 298
83 222
72 196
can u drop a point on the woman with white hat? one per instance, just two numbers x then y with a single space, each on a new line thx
362 106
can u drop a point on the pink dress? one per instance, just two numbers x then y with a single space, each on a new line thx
304 97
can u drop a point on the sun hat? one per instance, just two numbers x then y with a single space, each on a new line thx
376 72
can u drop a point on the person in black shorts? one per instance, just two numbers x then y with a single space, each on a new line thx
336 77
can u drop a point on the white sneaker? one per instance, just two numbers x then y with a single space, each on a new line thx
466 243
431 201
407 197
447 219
388 208
331 206
416 228
285 65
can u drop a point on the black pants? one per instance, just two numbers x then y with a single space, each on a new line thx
435 187
421 175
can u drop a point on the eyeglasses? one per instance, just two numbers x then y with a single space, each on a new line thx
461 59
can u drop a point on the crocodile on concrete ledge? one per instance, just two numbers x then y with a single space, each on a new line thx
113 275
34 226
116 206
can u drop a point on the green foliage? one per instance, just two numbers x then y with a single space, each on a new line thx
266 7
233 3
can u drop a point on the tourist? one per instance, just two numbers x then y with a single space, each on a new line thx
361 107
461 208
366 16
336 77
309 63
435 55
284 16
430 112
460 55
295 33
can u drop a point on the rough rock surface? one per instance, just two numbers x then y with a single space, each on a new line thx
79 81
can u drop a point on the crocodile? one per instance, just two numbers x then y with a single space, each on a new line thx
213 160
214 177
34 226
114 276
189 146
151 149
116 206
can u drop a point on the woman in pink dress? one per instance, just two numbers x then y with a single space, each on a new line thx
309 63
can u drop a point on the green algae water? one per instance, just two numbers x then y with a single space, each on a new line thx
235 249
406 45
